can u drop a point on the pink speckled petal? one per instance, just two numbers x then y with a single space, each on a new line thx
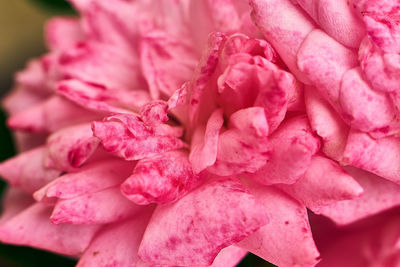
229 257
26 171
359 104
324 183
200 87
325 61
285 26
14 201
99 98
379 195
109 66
128 137
337 18
102 207
377 67
326 123
204 151
287 239
379 156
193 230
32 227
89 179
63 32
162 179
167 62
381 19
244 146
43 118
70 147
117 244
290 151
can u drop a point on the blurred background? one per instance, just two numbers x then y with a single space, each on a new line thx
21 31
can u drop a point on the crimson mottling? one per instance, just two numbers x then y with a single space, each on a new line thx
191 132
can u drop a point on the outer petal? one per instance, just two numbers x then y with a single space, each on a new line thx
90 179
27 171
128 137
290 151
324 183
13 202
167 62
50 115
379 156
99 98
70 147
162 179
326 123
102 207
379 195
193 230
117 244
287 239
62 33
32 227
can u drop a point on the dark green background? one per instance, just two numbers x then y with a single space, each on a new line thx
13 256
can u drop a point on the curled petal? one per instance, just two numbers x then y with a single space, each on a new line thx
70 147
43 118
27 171
326 123
287 240
291 148
101 99
162 179
102 207
204 153
379 195
324 183
244 146
379 156
128 137
193 230
32 227
89 179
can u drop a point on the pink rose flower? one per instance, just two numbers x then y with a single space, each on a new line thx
171 132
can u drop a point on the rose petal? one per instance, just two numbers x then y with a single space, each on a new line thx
326 123
379 195
291 148
287 239
117 244
63 32
26 171
126 136
324 183
162 179
32 227
379 156
90 179
13 202
193 230
102 207
229 257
